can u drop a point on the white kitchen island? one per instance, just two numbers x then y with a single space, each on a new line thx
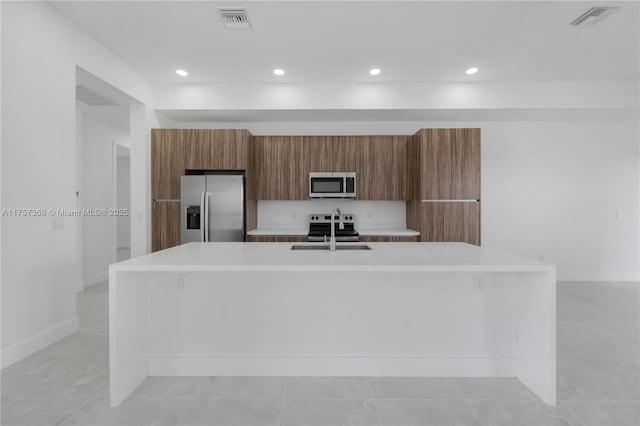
400 309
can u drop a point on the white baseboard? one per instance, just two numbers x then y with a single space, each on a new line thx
33 344
487 366
96 278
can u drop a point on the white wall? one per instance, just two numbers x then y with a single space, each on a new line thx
98 190
40 265
565 192
1 203
39 275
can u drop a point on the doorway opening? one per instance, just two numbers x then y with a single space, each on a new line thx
122 175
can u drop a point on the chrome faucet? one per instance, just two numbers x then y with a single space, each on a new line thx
332 241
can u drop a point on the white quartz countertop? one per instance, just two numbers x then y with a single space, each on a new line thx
292 232
279 257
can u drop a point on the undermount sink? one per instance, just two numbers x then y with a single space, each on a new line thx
326 247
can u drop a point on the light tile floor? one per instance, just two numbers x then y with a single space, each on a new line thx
598 382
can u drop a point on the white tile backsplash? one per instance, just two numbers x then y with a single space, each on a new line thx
368 214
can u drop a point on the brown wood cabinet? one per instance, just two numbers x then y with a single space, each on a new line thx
216 149
166 225
318 152
446 164
281 168
197 149
330 153
380 167
445 221
345 153
283 164
167 162
276 239
387 239
433 164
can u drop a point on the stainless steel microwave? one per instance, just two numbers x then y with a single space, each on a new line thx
332 185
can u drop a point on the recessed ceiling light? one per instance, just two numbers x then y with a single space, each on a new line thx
278 71
374 71
472 70
182 73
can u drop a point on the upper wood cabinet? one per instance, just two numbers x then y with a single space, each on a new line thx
230 149
283 164
345 153
318 152
167 162
197 149
330 153
281 168
380 167
175 150
446 164
217 149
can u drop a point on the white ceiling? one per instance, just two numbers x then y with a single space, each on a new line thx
338 42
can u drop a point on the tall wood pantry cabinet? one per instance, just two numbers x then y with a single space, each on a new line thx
443 175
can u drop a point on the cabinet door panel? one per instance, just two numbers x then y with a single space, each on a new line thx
344 153
281 168
319 153
167 162
380 164
216 149
450 164
450 222
229 149
197 149
166 224
330 153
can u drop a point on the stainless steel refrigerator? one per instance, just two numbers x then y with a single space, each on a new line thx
212 207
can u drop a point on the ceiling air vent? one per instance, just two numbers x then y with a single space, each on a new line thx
235 19
594 15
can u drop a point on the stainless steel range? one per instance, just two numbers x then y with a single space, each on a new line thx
320 227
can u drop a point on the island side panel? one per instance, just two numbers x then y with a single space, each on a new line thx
535 319
128 340
331 323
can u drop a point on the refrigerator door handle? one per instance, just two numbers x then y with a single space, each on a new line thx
203 213
207 197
